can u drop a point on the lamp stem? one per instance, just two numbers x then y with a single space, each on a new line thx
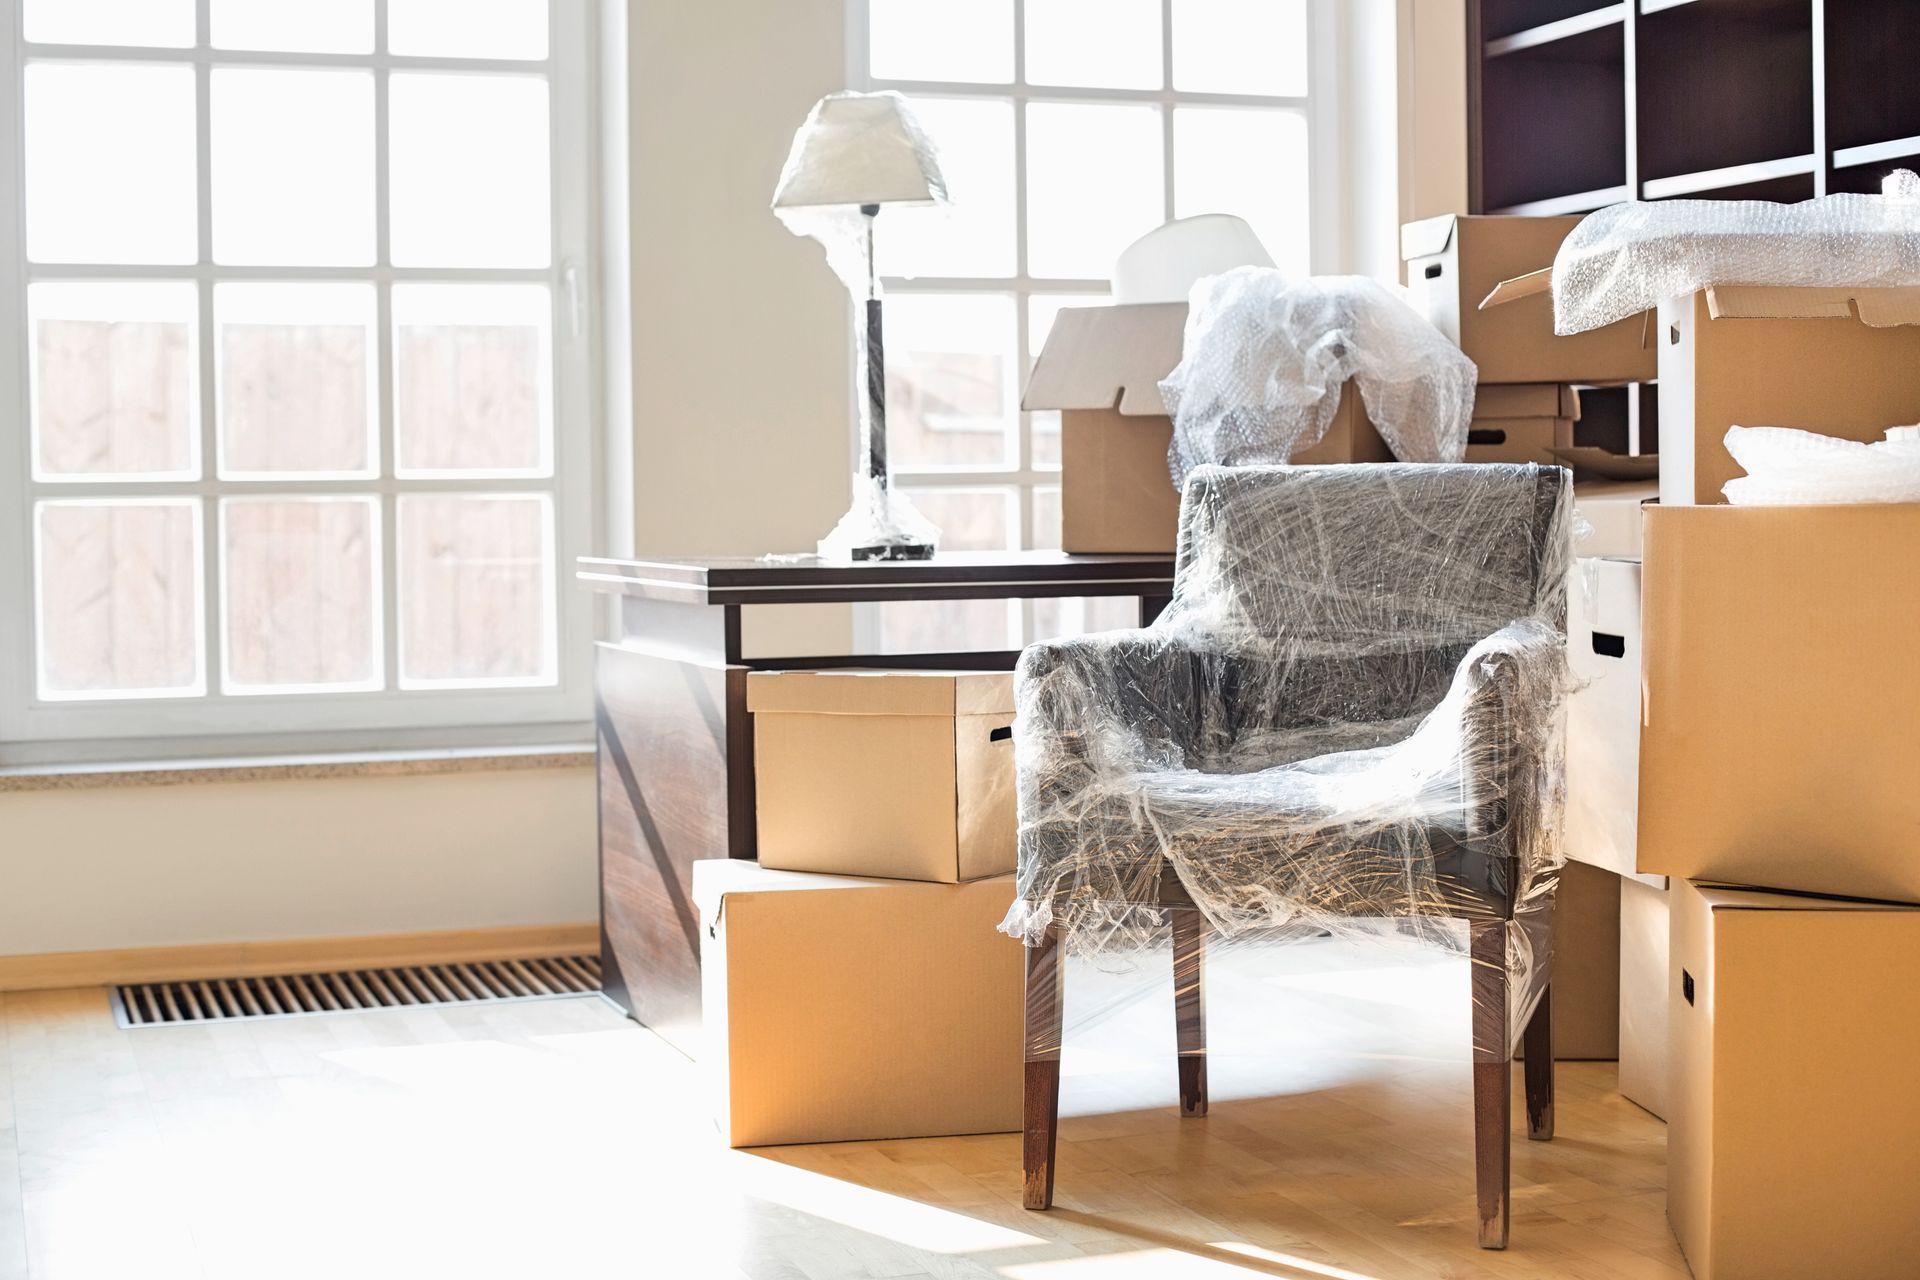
876 417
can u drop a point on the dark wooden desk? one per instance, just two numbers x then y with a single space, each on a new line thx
676 742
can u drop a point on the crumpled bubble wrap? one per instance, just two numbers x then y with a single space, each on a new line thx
1628 258
1787 467
1265 358
1349 714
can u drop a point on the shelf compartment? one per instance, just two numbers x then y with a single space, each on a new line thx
1553 121
1722 84
1871 85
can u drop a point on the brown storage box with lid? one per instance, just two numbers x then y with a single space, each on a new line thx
1454 262
839 1009
907 774
1780 695
1839 362
1793 1125
1101 369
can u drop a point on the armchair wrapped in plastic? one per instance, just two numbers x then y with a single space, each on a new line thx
1347 720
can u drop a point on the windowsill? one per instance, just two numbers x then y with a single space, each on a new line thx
360 764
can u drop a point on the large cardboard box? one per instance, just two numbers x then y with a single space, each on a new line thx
1611 510
1778 743
1603 715
1522 422
1101 368
841 1009
884 773
1841 362
1454 262
1793 1128
1644 1060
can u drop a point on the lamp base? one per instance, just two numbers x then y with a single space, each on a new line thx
893 551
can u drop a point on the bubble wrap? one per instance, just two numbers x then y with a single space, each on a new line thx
1786 467
1349 713
1265 358
1628 258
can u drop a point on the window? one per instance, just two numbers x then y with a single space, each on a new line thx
1067 129
300 356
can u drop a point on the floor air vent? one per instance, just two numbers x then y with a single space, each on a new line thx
291 995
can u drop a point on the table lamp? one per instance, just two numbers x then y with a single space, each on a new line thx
857 153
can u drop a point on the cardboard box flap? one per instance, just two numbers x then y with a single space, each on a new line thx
860 692
1877 308
1526 400
1525 286
1743 898
1107 358
1427 237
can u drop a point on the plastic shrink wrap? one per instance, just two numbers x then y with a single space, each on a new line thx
1265 358
1628 258
1347 724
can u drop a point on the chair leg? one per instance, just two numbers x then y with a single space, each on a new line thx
1190 1006
1492 1080
1045 1007
1538 1039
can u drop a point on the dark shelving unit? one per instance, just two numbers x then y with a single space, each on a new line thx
1575 104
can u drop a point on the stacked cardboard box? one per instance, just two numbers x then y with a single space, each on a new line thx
841 970
1776 767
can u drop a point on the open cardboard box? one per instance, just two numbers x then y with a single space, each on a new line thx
1781 694
1793 1126
1455 263
1101 368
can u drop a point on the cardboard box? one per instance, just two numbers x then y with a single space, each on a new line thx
1612 512
841 1009
1586 966
1101 368
1454 262
1644 1060
1793 1128
1603 715
1778 744
907 774
1841 362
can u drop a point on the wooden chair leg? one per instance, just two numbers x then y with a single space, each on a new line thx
1492 1080
1538 1040
1045 1007
1190 1007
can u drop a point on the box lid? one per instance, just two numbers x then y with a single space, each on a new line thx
861 692
1108 357
1526 400
1426 237
1741 898
1878 308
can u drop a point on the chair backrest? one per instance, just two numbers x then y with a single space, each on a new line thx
1372 556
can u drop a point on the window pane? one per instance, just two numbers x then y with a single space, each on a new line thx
476 589
969 520
113 380
1240 46
125 22
110 163
293 167
950 379
1248 161
468 28
300 606
295 376
119 598
973 236
1094 185
1070 617
472 378
298 26
469 171
941 40
1043 425
1102 43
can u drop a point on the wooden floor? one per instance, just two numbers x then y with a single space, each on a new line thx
557 1140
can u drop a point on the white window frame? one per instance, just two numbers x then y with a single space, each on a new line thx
35 730
1023 475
